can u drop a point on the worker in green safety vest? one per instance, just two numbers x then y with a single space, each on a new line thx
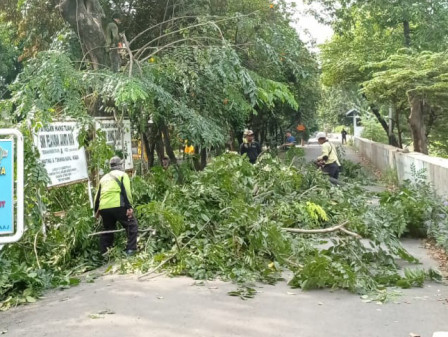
113 202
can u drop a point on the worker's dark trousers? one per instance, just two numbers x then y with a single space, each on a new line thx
332 170
115 60
110 217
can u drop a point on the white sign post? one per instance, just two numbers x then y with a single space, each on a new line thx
10 198
119 139
59 151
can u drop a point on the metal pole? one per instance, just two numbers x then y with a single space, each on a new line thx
42 214
89 192
355 133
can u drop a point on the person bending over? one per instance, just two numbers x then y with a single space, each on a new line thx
328 160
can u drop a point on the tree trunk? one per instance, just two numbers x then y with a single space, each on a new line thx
153 152
263 134
432 119
399 131
392 139
200 159
168 147
203 158
407 33
153 144
231 142
196 162
149 148
160 149
416 122
85 16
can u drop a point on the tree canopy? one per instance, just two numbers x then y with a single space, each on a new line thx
202 71
372 36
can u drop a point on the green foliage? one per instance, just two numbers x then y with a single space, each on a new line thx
332 268
226 222
294 152
203 74
53 259
336 101
414 207
354 171
405 76
34 23
244 292
8 58
49 87
374 131
438 227
96 146
203 91
50 259
393 52
390 177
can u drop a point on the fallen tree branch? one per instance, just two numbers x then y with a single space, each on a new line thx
346 231
122 230
35 250
161 264
307 191
179 248
315 231
323 230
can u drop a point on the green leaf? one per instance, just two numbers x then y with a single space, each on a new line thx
30 299
74 281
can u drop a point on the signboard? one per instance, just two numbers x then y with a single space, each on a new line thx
59 151
116 137
11 186
6 186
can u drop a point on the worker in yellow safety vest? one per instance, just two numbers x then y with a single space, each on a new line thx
188 149
113 202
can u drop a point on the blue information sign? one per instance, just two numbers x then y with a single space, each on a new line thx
6 186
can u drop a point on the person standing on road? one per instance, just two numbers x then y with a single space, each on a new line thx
113 202
250 147
328 160
344 136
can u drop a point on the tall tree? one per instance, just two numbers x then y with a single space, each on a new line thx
370 31
199 70
85 18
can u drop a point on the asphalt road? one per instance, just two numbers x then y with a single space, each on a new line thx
121 306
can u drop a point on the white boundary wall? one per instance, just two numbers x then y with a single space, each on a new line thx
386 157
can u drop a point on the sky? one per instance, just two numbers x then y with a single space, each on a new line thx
307 26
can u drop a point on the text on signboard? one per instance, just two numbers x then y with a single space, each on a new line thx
56 140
